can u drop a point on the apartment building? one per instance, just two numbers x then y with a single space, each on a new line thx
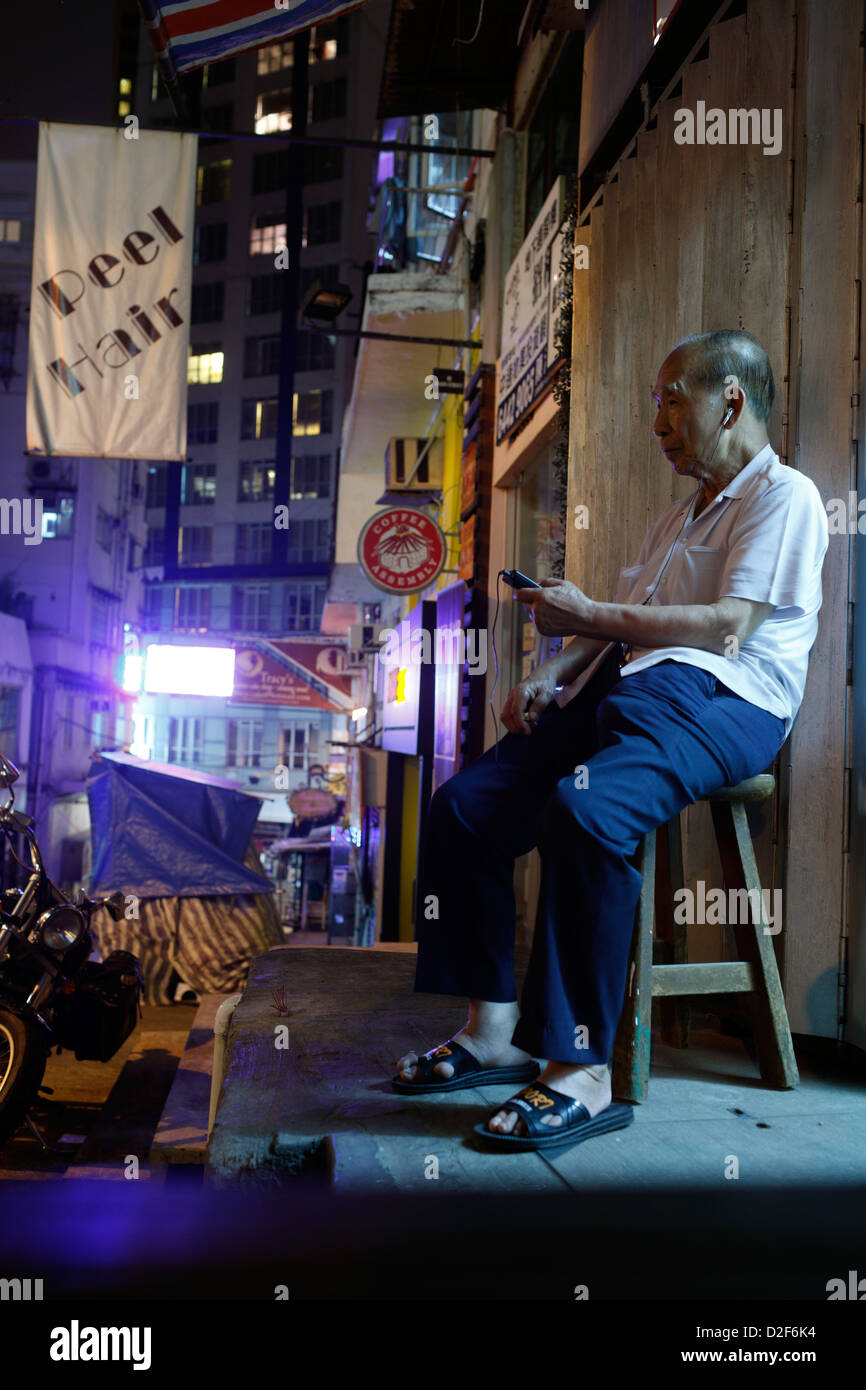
209 572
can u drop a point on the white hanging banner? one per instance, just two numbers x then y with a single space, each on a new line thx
110 300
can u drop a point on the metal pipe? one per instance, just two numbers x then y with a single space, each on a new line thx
391 337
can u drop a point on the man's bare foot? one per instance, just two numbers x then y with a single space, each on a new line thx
591 1085
487 1036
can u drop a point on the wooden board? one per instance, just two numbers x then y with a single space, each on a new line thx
579 541
628 505
830 97
725 170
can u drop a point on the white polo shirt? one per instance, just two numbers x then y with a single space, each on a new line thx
764 537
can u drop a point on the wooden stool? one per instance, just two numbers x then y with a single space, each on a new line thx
755 973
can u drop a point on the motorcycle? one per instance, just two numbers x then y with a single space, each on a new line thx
51 993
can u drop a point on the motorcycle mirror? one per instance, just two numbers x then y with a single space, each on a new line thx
116 905
9 773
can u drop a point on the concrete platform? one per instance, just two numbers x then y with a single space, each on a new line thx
181 1135
323 1106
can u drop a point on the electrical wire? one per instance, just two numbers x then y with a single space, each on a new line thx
477 28
495 664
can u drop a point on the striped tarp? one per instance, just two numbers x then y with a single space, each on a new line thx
189 33
209 942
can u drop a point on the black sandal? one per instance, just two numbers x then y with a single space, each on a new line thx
577 1123
467 1072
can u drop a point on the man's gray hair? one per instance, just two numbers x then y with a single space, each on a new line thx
728 352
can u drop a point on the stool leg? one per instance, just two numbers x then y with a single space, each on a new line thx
633 1042
770 1017
675 1013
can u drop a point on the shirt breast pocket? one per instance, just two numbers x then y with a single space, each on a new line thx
630 588
703 568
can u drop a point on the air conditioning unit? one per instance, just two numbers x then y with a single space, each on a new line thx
50 472
363 638
403 473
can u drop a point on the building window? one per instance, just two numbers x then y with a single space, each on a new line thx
152 608
202 422
322 163
314 352
68 720
124 92
253 543
156 484
184 739
57 517
9 697
322 223
251 607
294 745
211 242
207 302
103 620
302 606
311 477
259 418
214 182
309 541
197 484
266 294
273 111
154 550
270 171
256 480
217 74
262 355
104 530
312 412
328 100
10 229
192 609
274 57
205 364
244 743
219 118
267 233
329 40
196 545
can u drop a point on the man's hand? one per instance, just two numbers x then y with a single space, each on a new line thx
527 701
559 608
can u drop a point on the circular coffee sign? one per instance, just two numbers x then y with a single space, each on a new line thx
401 550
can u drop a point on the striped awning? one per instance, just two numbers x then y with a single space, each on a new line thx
186 34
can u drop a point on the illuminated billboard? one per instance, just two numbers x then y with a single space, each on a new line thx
176 670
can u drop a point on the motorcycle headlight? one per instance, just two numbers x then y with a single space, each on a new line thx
60 928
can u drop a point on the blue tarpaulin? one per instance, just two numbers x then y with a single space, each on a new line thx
159 831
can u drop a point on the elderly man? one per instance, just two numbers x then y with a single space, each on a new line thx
688 680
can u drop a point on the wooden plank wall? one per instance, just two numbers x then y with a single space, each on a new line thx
827 223
690 238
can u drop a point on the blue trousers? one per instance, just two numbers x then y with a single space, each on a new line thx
650 744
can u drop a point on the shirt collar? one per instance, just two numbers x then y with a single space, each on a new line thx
741 480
